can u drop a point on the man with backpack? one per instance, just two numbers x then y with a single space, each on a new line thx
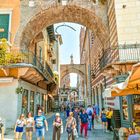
84 123
89 111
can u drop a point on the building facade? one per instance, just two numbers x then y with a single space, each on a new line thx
110 64
27 78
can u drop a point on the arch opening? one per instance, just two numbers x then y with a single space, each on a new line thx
57 14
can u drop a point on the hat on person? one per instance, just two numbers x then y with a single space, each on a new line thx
57 114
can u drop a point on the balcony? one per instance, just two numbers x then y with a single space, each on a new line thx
121 54
26 59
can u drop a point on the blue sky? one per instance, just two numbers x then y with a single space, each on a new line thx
70 45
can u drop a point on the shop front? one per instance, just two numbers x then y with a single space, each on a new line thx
130 110
129 95
24 108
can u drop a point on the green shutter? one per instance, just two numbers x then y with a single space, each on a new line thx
4 24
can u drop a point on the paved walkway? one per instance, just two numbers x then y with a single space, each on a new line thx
96 134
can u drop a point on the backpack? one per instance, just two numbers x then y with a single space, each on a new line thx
84 118
90 113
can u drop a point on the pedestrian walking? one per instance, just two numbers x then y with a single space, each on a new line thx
67 111
89 111
1 129
57 127
29 126
97 112
19 127
70 126
76 116
84 123
40 124
104 119
109 115
135 136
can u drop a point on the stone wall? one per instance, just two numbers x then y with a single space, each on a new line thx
128 21
34 19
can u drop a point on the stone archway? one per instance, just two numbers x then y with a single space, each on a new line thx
74 68
40 17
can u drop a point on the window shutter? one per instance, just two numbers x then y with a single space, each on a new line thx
4 25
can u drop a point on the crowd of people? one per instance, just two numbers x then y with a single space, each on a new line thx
85 117
78 118
38 124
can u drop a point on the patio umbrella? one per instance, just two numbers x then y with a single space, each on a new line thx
131 85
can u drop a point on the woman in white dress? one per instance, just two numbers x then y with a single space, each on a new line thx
29 126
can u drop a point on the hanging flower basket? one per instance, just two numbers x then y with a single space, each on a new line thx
19 90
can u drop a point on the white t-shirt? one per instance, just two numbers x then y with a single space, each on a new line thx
29 122
20 123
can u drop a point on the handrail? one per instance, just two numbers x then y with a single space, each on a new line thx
26 57
123 53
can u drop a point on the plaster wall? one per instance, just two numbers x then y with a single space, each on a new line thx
8 103
128 21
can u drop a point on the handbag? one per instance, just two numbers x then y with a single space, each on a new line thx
69 130
75 132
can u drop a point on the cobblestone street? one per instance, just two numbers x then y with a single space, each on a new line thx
96 134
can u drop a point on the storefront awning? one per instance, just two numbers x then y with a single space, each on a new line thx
108 91
131 85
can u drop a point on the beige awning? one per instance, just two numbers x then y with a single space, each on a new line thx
131 85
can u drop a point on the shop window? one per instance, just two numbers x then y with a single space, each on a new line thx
125 107
44 103
65 99
25 102
136 108
32 102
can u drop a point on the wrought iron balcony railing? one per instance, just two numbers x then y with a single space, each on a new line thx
10 58
124 53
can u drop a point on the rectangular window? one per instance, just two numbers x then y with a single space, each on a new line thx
32 102
25 102
44 103
40 54
4 26
136 108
